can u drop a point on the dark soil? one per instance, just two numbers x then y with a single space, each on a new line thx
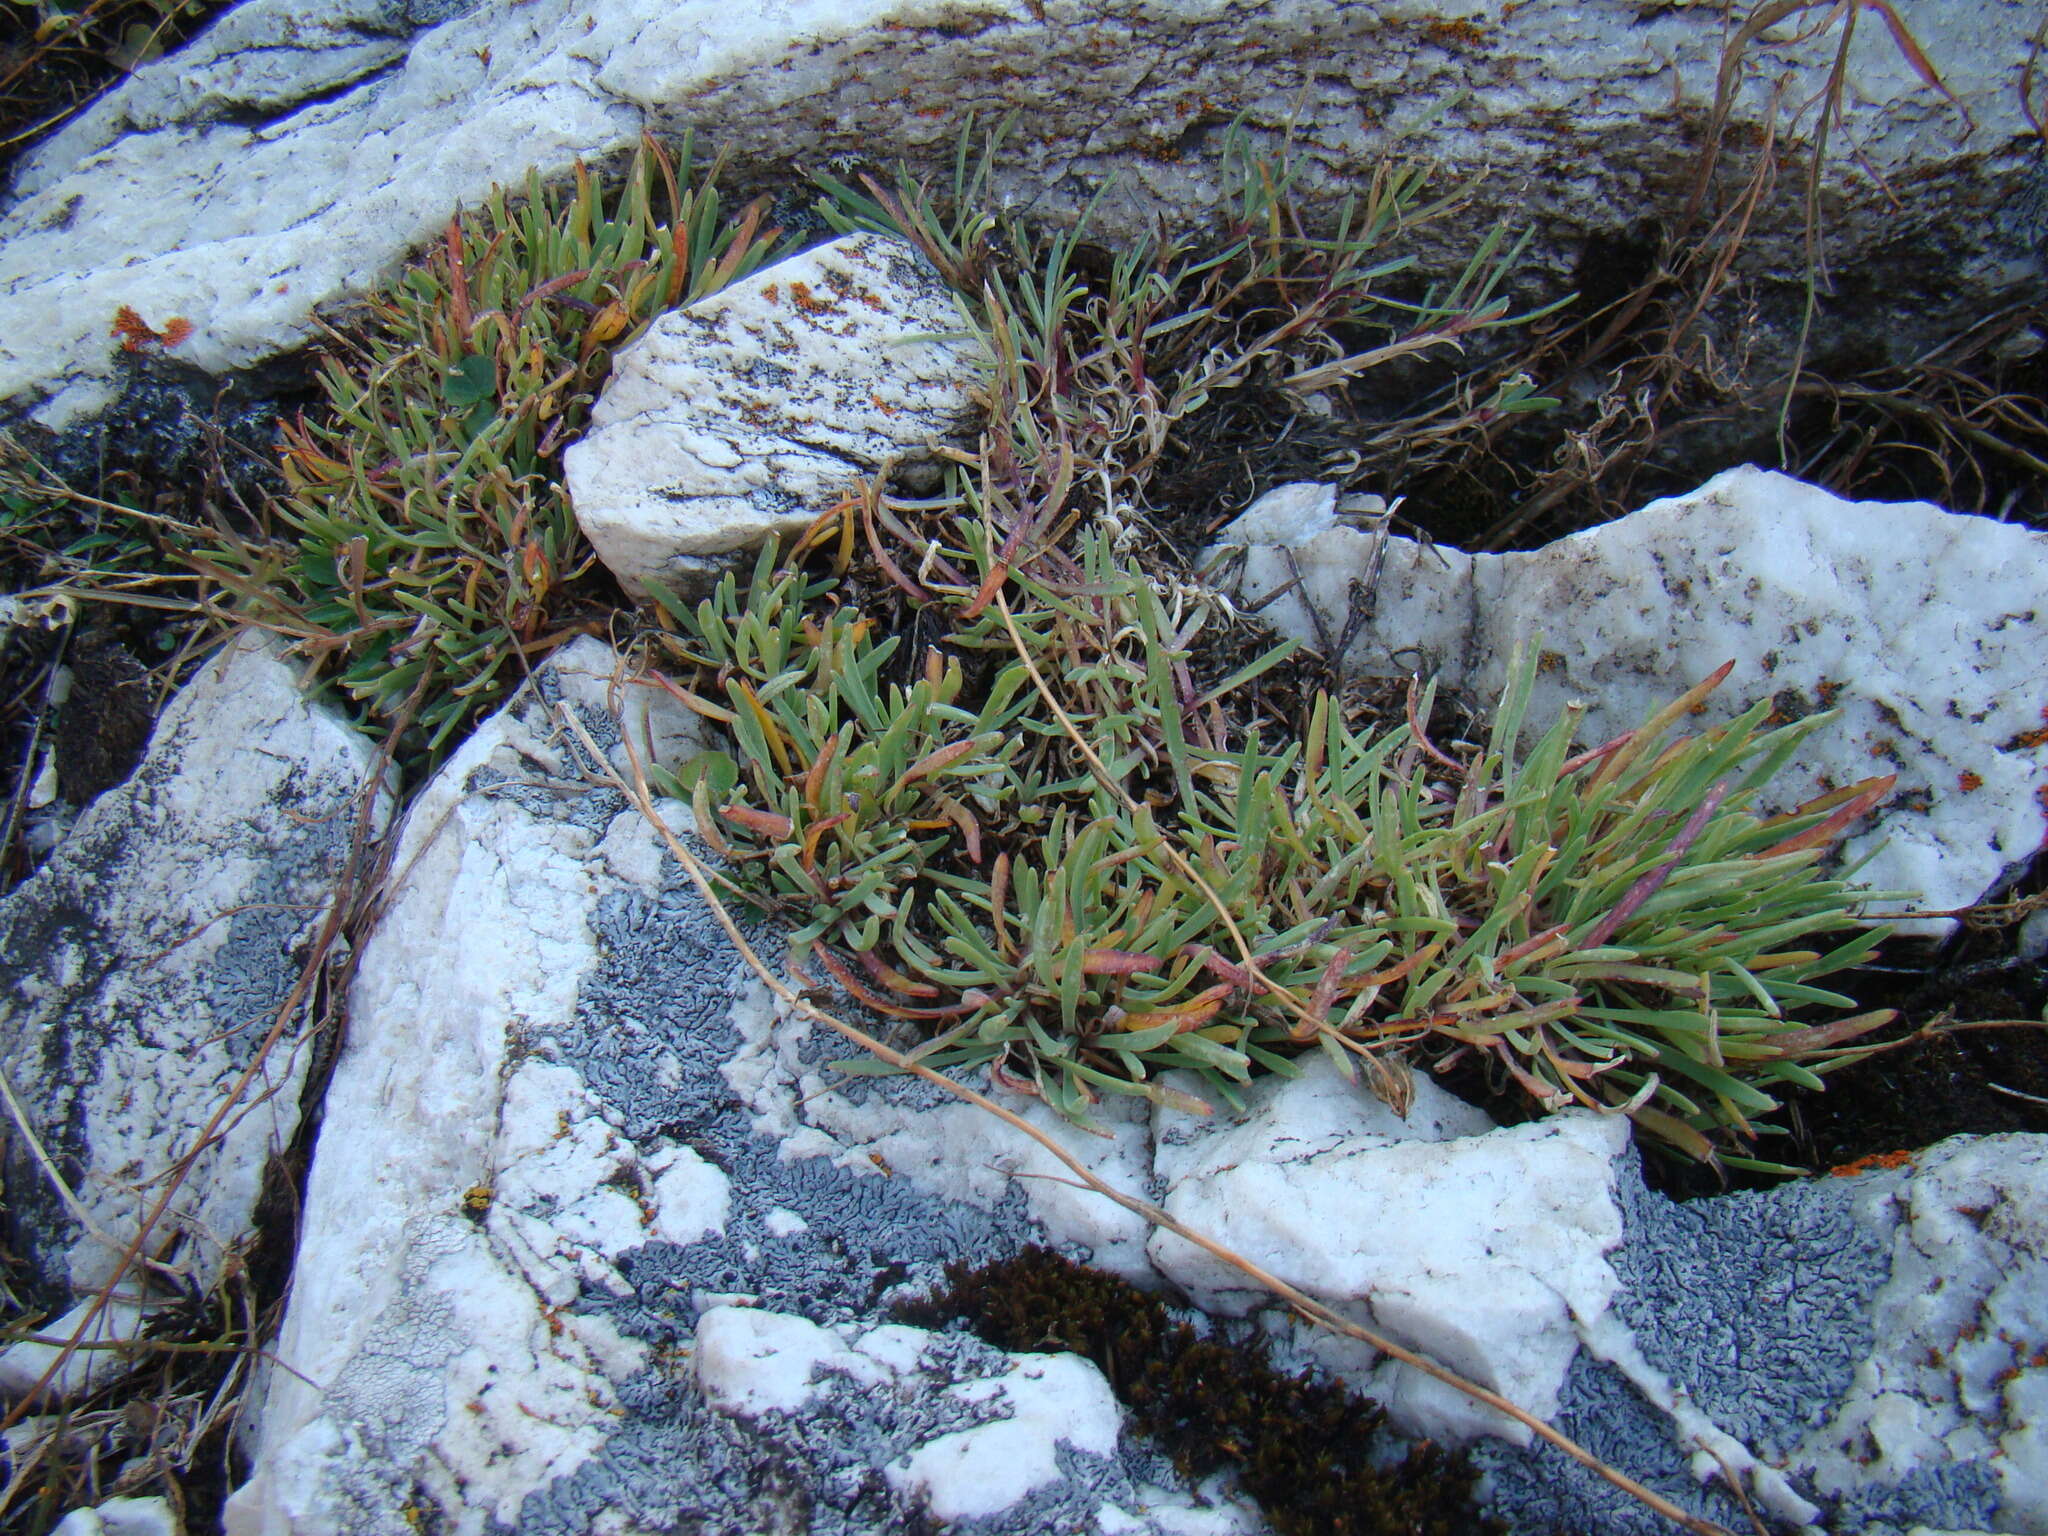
104 723
1644 412
46 80
1968 1056
1976 1061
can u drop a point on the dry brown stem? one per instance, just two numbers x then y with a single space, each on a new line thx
637 792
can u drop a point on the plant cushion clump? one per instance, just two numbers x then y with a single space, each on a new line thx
1041 843
426 551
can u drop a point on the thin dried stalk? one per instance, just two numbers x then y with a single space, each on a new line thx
638 793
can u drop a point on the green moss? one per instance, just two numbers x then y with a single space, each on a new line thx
1303 1447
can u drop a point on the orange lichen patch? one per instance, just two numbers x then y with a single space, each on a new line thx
772 293
1550 661
137 335
2034 738
1825 690
882 405
1884 746
133 330
800 296
1465 34
1872 1163
1967 781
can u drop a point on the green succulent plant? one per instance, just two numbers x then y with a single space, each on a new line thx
1613 928
426 550
1096 370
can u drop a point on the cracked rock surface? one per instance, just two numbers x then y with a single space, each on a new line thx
746 414
290 156
141 969
1925 628
1874 1342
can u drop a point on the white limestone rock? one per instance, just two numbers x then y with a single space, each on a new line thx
288 157
1957 1376
263 59
1864 1352
752 1362
901 1130
1924 627
2033 943
746 415
961 1152
467 1192
143 966
82 1352
538 1201
177 209
122 1517
1006 1416
1051 1400
1480 1247
1312 1115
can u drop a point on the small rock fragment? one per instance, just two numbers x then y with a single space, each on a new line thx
122 1517
1049 1400
744 416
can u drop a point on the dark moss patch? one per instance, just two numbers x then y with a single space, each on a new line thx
103 726
1303 1447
